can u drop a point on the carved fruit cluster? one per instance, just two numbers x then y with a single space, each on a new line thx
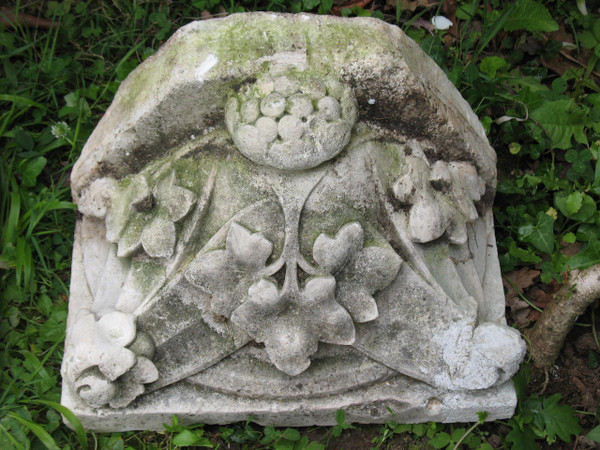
291 123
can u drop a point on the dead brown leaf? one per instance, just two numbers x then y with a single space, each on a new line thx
515 283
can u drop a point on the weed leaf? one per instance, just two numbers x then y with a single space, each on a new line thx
521 439
562 120
560 420
594 435
190 438
531 16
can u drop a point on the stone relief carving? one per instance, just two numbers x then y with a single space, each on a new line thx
294 243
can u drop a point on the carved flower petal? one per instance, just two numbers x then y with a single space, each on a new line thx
131 384
131 238
158 238
177 201
250 250
138 192
114 362
332 254
116 217
117 328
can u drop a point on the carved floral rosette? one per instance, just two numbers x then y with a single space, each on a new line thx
299 247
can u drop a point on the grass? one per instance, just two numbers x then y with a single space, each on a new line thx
57 82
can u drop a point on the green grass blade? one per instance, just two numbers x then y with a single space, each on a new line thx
493 31
19 99
72 418
10 437
41 434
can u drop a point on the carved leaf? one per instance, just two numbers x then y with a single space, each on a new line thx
373 269
212 272
331 322
250 250
227 274
290 328
332 254
358 302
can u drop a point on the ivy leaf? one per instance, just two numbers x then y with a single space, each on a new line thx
332 254
562 120
560 420
542 234
531 16
588 257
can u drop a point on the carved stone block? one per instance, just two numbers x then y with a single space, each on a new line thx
282 216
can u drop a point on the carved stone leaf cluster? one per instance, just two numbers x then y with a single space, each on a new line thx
441 198
290 320
103 370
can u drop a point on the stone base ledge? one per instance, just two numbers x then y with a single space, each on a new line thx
412 402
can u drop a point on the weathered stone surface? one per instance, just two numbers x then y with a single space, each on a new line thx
283 216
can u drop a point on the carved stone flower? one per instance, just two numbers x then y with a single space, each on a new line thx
141 217
291 325
291 122
102 368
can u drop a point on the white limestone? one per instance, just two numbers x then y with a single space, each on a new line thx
282 216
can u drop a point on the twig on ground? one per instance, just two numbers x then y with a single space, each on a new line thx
547 336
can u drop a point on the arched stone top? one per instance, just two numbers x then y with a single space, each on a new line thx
181 92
